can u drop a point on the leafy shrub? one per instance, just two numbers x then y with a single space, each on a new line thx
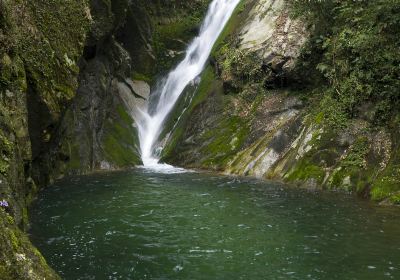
357 47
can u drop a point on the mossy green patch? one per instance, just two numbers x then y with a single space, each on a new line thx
124 116
223 141
13 239
119 141
207 84
305 170
387 185
141 77
18 257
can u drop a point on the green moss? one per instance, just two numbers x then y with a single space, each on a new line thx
14 244
387 185
360 179
10 220
141 77
223 141
3 270
14 240
59 42
123 115
119 142
319 118
117 153
357 155
337 178
25 217
305 170
40 256
206 85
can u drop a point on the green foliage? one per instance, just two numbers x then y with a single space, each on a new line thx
356 47
357 155
238 66
333 111
354 167
387 185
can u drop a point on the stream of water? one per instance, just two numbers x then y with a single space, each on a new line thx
144 225
150 122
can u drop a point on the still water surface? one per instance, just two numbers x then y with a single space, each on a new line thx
144 225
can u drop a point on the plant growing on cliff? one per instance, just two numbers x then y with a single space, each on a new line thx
239 67
357 154
357 49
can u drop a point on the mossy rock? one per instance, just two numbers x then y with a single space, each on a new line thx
305 171
120 140
19 259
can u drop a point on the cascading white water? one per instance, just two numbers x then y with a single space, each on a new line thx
150 123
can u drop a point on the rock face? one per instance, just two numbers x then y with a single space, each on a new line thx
252 116
127 41
36 84
271 33
97 130
62 108
245 88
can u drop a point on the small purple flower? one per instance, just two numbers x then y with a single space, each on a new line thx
3 203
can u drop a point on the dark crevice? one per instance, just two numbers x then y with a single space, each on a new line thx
89 52
38 118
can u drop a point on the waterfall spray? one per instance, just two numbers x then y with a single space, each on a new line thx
150 123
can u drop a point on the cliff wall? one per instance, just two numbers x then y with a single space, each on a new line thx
289 95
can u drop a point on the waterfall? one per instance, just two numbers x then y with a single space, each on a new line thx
151 120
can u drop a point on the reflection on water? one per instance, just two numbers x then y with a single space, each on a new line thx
143 225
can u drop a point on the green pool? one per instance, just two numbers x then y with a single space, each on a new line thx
143 225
